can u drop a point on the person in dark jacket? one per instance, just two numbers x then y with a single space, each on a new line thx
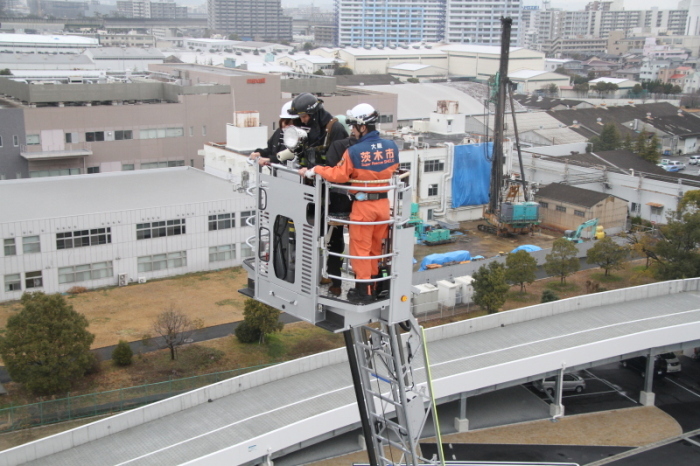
330 142
312 116
275 144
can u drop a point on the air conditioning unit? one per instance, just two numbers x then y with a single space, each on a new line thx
142 279
123 279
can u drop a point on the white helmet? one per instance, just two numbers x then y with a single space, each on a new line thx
362 114
284 113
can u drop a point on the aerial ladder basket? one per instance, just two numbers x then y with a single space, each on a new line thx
385 344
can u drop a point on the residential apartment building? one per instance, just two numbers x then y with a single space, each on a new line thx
250 19
118 229
58 8
540 28
148 9
378 23
478 22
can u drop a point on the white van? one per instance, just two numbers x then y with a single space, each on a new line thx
694 159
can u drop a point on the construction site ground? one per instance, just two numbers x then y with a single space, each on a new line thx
480 243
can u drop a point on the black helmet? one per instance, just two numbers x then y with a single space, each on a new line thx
305 104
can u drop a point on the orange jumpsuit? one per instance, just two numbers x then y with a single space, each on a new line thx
372 158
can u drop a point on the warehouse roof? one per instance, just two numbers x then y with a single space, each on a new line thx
120 53
66 196
39 39
571 194
418 101
11 59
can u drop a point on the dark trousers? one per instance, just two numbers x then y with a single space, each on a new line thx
337 245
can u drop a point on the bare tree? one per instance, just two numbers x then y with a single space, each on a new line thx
175 328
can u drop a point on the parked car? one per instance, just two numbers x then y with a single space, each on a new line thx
675 163
663 162
571 383
694 159
639 364
671 168
673 364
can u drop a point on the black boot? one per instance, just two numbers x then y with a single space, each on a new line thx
361 294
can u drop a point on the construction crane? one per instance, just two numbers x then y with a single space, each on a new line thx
385 344
509 216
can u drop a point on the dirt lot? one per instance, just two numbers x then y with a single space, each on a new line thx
485 244
626 427
126 313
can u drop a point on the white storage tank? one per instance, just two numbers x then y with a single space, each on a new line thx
466 289
426 300
447 293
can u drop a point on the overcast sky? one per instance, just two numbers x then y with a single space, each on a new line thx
564 4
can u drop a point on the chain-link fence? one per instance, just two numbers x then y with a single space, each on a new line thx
113 401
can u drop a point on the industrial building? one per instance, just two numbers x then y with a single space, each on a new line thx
650 191
565 207
118 229
528 81
35 43
157 121
478 62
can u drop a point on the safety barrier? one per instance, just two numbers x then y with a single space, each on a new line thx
113 401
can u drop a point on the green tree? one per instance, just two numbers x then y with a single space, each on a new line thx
690 201
122 354
308 46
262 317
627 143
520 269
676 89
637 89
343 70
553 90
549 296
233 37
46 346
246 333
607 254
581 89
676 254
609 138
319 73
5 72
640 144
651 151
490 286
174 329
563 260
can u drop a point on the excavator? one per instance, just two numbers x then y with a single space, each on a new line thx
575 235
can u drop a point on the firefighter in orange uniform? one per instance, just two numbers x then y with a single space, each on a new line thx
372 158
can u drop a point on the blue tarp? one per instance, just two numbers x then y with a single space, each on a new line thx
527 247
454 256
471 176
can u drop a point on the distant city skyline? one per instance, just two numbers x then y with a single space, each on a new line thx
563 4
